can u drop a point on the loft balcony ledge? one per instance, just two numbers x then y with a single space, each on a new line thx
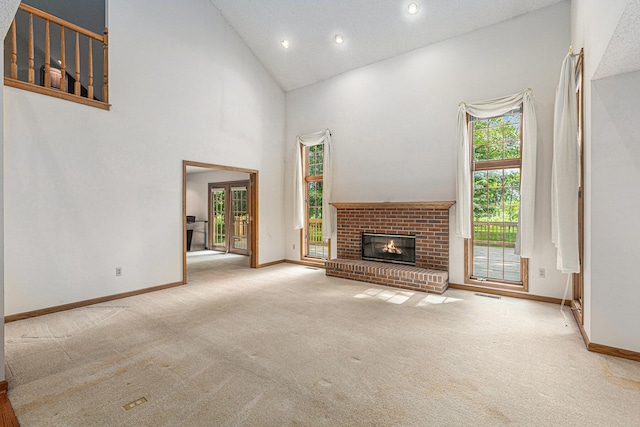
56 93
57 58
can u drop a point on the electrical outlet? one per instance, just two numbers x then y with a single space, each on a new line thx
541 273
294 246
118 271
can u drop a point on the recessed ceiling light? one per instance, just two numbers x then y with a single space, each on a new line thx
412 8
338 39
285 44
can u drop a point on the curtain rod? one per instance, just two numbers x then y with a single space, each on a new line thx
575 54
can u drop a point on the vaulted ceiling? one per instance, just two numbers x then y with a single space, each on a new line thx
373 30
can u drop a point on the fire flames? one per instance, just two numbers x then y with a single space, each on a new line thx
391 248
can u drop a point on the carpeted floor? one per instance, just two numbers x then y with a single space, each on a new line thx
286 346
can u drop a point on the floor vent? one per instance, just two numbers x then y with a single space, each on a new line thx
489 296
130 406
311 268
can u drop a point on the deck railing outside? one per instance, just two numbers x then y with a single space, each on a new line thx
501 233
317 247
69 81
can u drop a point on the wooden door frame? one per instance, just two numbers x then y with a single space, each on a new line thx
226 185
253 224
577 303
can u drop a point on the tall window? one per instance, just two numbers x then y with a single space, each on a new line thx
312 244
496 145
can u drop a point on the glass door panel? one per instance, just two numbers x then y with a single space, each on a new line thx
218 221
240 219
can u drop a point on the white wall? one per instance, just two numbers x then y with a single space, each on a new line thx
7 12
615 208
611 163
398 116
198 188
90 190
592 25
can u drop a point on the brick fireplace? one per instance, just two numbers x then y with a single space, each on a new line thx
427 221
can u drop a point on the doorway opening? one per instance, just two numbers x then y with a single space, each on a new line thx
220 206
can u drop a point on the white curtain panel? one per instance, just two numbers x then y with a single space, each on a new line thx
565 171
485 110
328 214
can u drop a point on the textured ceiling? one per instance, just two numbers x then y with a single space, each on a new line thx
7 12
621 55
374 30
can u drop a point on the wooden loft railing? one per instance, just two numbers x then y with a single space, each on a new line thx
64 84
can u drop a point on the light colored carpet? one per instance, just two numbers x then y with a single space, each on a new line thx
286 346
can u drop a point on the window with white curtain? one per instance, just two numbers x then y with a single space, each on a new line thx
313 244
496 162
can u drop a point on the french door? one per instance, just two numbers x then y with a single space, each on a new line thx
229 207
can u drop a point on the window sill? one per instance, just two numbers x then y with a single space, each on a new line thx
490 284
315 261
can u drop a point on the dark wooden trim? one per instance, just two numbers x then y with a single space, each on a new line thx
613 351
578 317
55 93
184 220
319 264
253 225
576 308
498 164
7 415
507 293
302 240
49 17
269 264
578 278
603 349
393 205
84 303
222 167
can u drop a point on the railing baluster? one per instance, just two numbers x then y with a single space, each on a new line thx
77 85
47 55
105 87
63 74
31 72
14 51
90 88
47 77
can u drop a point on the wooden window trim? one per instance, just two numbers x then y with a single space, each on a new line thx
496 164
493 284
468 243
304 150
577 303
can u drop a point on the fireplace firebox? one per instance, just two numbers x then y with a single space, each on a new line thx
395 248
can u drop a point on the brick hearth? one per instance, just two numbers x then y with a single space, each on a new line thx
428 221
381 273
